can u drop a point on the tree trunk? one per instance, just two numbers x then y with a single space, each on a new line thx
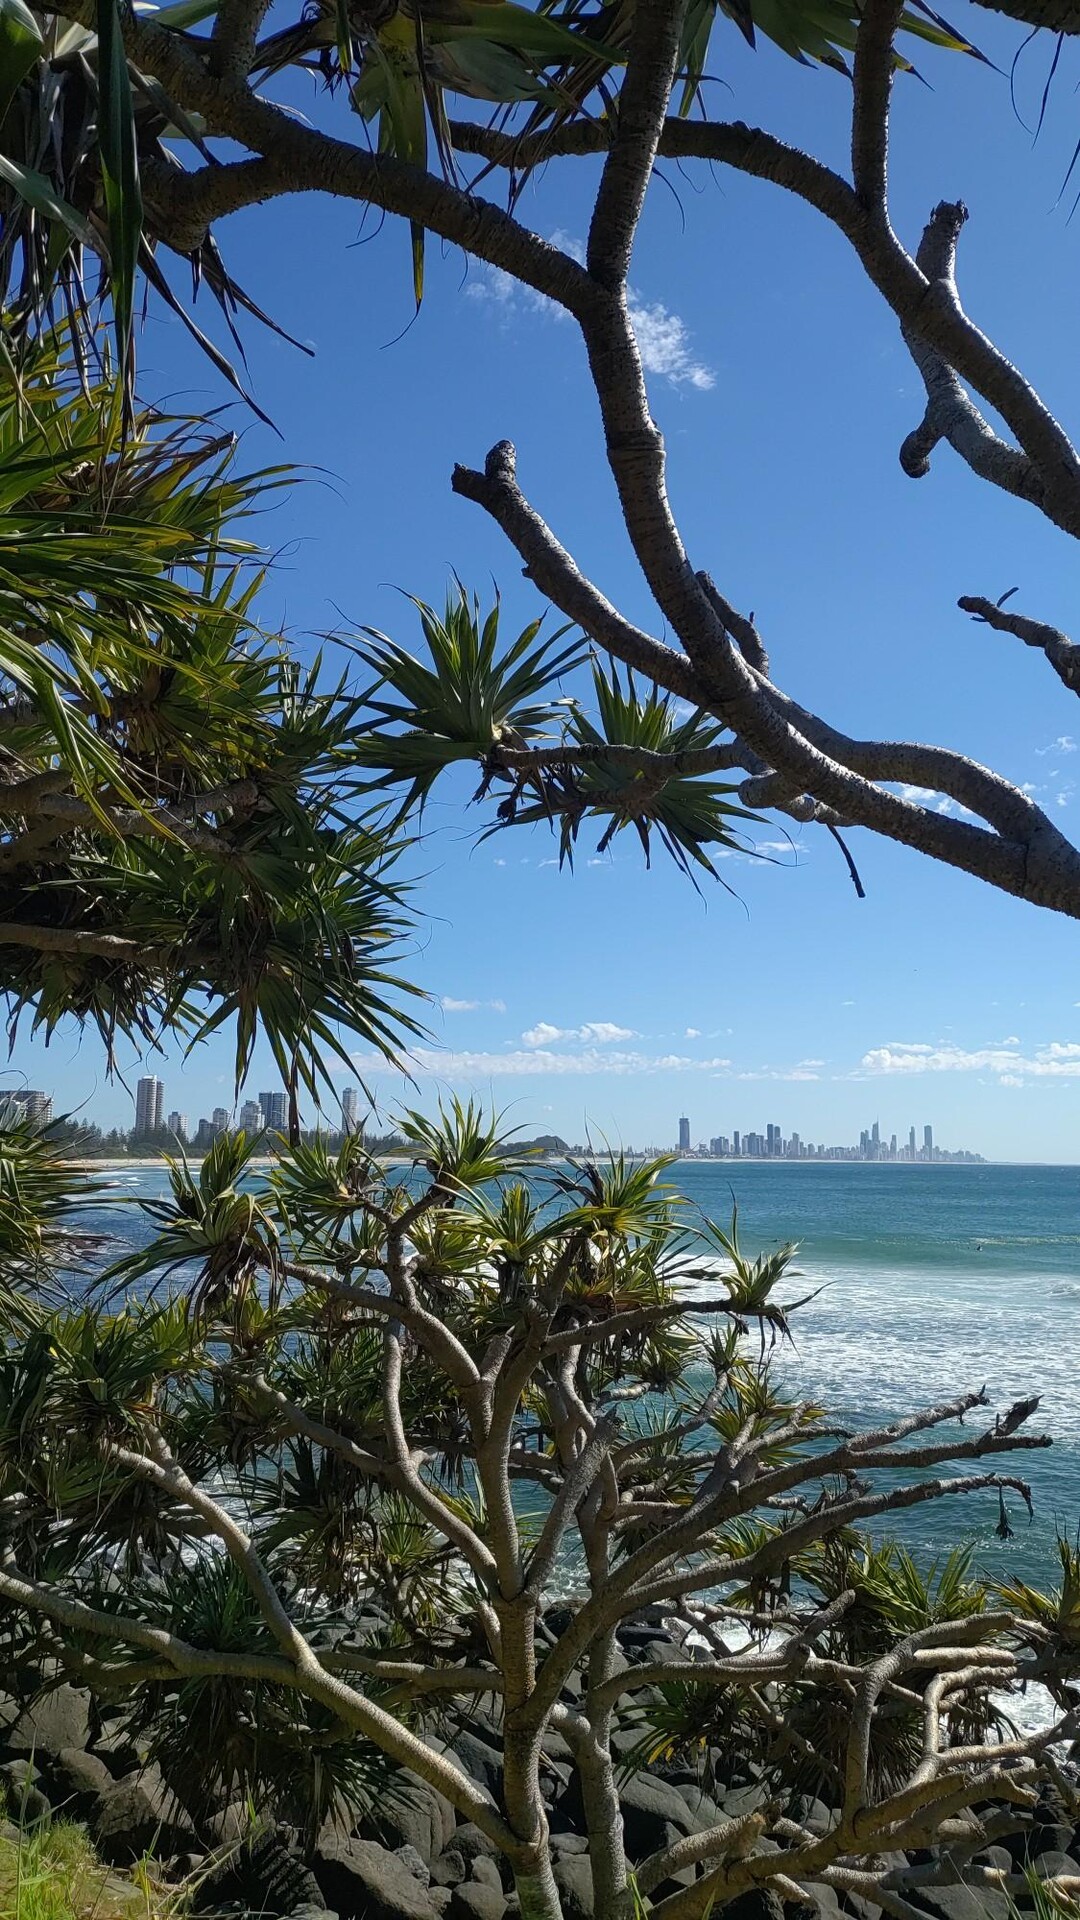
536 1890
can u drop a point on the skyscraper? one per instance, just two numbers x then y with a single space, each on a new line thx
252 1117
149 1104
684 1135
911 1143
274 1109
27 1103
178 1124
221 1118
928 1142
349 1101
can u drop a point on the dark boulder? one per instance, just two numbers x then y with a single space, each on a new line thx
573 1877
475 1901
58 1719
961 1902
139 1815
366 1882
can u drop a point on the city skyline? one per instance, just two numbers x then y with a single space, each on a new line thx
776 1144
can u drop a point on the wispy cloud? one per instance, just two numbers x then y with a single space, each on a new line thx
664 340
1058 1059
450 1005
1063 744
936 802
601 1033
536 1061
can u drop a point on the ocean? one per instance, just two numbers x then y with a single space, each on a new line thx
933 1281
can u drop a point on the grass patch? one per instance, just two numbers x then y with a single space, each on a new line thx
52 1873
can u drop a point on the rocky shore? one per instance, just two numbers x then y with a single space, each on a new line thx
64 1753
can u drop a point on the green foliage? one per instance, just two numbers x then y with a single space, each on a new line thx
180 846
466 699
1060 1609
37 1193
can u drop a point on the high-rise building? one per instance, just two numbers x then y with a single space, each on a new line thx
252 1118
149 1104
684 1135
928 1142
736 1141
178 1124
275 1112
911 1143
875 1135
349 1102
27 1103
220 1118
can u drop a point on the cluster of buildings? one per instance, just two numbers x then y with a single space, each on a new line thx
26 1103
268 1111
774 1144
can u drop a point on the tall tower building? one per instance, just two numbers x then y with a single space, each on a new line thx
149 1104
252 1117
349 1103
928 1142
684 1135
274 1109
221 1118
178 1124
911 1143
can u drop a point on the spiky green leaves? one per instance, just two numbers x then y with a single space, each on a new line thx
178 842
460 700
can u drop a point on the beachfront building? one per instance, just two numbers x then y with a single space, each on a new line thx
178 1124
26 1103
149 1104
350 1100
252 1117
684 1135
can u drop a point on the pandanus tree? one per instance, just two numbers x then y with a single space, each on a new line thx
306 1513
179 851
130 135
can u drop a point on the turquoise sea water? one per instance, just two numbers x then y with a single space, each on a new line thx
934 1281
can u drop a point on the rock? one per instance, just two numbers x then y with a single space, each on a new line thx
308 1912
818 1902
1052 1864
485 1872
420 1817
859 1907
471 1841
649 1807
16 1774
810 1813
757 1903
415 1863
441 1898
702 1809
29 1807
449 1869
233 1826
78 1780
573 1877
366 1882
56 1720
960 1902
473 1901
264 1877
569 1843
139 1815
481 1760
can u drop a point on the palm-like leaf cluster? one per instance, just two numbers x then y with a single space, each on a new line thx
176 844
635 762
89 144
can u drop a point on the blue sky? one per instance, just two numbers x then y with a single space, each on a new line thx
619 999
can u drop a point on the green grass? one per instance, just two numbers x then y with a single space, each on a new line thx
52 1873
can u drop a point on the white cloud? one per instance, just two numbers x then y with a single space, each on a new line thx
534 1062
692 1033
600 1033
811 1063
662 336
1063 744
936 802
664 345
1058 1059
450 1005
